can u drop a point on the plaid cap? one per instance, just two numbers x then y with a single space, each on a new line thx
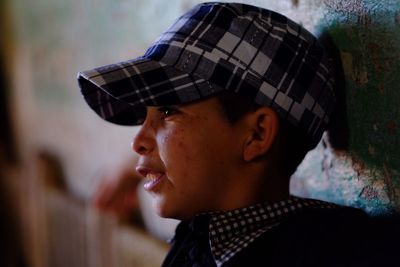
213 47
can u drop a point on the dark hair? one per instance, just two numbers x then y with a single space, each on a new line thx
292 144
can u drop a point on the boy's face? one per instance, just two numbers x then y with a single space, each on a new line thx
189 155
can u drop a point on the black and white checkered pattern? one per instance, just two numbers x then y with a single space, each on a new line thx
232 231
221 46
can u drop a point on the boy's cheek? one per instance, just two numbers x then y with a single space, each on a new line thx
172 148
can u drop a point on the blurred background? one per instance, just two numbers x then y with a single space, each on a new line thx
58 158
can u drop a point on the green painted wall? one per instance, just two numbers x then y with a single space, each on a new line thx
366 173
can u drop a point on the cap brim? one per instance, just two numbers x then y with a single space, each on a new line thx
119 93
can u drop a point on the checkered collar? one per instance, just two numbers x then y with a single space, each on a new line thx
232 231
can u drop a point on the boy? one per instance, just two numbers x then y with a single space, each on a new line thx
230 98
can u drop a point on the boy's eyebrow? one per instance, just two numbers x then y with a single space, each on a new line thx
167 106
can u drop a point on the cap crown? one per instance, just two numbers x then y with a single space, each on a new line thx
248 50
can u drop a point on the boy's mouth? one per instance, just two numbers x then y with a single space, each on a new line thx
153 178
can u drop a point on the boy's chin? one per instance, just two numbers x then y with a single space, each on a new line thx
173 212
163 209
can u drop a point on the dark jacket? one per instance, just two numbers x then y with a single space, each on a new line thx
339 237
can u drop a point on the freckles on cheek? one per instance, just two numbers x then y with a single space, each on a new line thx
174 146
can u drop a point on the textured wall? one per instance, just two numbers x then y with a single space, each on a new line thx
366 173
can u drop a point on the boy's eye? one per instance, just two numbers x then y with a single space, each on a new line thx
167 111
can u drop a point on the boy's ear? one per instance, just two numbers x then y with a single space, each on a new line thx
264 126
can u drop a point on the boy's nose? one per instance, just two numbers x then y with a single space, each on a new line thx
143 142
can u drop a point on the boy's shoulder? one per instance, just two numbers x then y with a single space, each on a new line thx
328 237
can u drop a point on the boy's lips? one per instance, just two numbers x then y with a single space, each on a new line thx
153 178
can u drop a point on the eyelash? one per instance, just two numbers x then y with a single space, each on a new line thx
167 111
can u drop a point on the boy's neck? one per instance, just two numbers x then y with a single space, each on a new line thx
255 189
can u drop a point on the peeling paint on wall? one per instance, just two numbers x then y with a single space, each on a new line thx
367 34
